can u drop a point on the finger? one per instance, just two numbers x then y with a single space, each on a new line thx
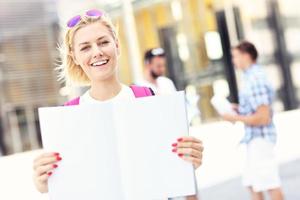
192 145
44 155
46 161
44 178
189 152
195 161
44 169
189 139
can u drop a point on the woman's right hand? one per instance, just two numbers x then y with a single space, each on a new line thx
43 167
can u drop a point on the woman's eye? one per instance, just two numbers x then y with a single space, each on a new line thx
84 48
104 43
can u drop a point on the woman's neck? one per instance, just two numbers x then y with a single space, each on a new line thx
105 90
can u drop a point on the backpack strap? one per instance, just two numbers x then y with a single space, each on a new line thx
72 102
138 92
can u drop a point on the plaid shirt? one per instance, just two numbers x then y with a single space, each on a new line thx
256 91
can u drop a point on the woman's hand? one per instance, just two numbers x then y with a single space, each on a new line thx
43 167
189 149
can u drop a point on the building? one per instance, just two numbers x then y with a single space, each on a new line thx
28 38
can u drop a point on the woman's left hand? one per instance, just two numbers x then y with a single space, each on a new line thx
189 149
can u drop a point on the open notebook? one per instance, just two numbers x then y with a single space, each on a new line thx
118 151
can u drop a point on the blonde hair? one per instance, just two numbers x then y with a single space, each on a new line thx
68 69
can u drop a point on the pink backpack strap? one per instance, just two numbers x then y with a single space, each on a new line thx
72 102
140 91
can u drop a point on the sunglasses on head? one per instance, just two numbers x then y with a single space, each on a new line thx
90 13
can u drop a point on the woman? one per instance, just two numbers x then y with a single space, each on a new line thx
90 57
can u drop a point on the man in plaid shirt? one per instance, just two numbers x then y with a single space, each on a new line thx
256 92
255 111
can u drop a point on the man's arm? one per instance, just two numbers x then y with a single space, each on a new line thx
261 117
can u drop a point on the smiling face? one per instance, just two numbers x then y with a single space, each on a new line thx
96 51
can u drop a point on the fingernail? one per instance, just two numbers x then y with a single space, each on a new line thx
49 173
58 158
55 166
174 145
174 150
179 139
180 154
56 154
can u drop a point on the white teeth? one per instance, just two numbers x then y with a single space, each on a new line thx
102 62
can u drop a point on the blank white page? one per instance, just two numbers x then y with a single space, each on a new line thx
147 127
85 137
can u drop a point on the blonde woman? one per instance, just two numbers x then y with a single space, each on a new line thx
90 57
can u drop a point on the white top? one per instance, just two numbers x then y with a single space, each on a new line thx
164 85
125 93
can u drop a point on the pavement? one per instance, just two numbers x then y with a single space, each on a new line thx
233 190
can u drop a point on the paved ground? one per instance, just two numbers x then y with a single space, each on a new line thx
233 190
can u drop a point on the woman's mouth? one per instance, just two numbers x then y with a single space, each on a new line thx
99 63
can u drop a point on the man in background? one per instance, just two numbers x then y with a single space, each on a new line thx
154 73
255 111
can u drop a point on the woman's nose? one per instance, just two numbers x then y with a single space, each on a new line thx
97 51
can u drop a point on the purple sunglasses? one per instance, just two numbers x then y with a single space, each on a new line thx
90 13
